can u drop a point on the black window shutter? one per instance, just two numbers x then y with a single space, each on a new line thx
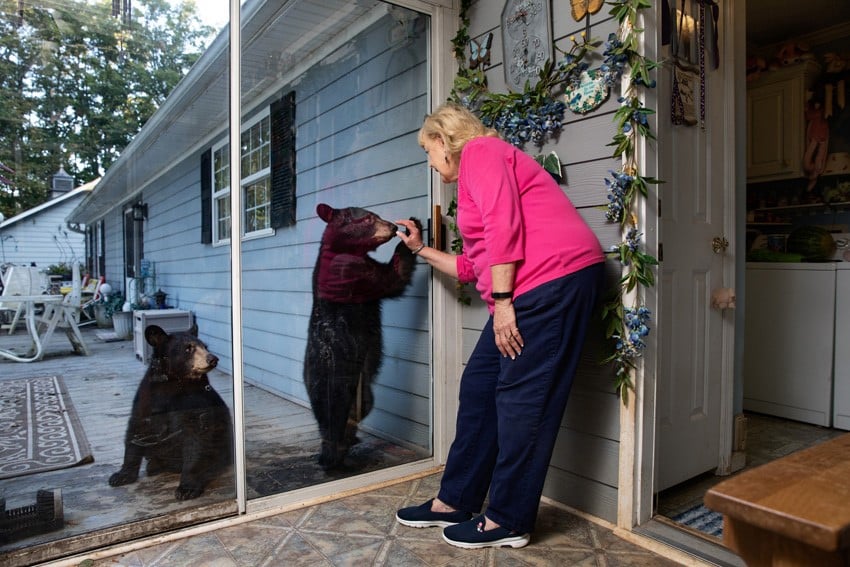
283 161
206 197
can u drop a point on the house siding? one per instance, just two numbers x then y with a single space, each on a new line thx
583 472
43 237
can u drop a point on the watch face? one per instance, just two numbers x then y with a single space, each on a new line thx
526 40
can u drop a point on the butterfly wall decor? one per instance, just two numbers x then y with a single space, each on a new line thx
480 52
584 8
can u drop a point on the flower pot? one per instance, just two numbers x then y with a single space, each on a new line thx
122 322
102 317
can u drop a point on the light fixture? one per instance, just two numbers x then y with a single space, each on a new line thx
140 211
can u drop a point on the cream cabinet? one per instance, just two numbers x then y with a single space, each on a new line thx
776 124
170 320
789 345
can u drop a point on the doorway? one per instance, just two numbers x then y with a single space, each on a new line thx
765 437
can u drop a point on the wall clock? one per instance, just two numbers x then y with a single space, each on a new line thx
526 40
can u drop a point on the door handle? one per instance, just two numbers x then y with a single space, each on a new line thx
719 244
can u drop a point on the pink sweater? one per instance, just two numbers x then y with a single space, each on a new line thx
510 209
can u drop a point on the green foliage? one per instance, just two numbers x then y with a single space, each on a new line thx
551 163
625 326
76 85
111 303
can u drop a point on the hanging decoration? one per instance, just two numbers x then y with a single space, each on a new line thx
590 92
693 38
526 41
479 53
582 9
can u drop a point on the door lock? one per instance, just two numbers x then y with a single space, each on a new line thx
719 244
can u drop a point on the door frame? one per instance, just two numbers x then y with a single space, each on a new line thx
638 448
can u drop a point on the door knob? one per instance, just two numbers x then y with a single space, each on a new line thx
719 244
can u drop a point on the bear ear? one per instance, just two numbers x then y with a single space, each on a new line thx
194 330
154 335
325 212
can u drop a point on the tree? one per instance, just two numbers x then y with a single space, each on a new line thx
76 84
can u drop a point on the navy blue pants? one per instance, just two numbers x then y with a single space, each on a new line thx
510 410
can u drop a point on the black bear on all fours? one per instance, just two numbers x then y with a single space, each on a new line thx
344 341
179 423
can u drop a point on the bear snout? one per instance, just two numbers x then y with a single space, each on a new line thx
212 361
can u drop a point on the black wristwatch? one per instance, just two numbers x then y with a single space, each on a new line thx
502 294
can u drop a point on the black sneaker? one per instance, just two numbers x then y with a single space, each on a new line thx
471 535
422 517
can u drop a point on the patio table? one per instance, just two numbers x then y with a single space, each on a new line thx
57 313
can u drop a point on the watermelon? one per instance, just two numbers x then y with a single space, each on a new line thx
813 243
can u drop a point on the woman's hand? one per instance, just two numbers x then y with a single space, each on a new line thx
413 238
508 338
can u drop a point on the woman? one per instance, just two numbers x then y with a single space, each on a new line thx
538 266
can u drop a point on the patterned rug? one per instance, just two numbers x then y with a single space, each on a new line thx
39 429
702 519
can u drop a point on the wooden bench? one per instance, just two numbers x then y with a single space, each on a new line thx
791 511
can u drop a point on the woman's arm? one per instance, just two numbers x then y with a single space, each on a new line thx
442 261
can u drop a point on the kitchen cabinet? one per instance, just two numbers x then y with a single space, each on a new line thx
789 340
776 125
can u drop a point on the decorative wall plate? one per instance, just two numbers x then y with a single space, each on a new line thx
589 94
526 41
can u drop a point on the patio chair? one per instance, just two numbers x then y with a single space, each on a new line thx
89 295
66 315
21 280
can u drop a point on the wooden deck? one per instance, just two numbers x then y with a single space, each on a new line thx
281 446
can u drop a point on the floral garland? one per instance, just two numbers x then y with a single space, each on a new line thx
536 115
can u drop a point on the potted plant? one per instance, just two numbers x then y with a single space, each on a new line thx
122 322
105 307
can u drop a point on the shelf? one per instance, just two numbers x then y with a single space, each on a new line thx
802 207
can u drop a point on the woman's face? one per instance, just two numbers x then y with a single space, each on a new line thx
439 160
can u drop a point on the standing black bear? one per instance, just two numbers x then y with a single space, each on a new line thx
344 343
179 422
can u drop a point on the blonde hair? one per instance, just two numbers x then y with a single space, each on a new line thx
455 125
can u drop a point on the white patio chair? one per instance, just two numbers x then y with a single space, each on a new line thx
21 280
66 315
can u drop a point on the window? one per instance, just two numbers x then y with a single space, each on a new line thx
221 192
96 249
268 177
256 160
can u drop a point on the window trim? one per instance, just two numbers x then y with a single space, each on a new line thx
224 193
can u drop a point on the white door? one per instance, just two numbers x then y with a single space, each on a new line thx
696 340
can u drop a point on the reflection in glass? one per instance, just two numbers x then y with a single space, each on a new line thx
345 86
88 86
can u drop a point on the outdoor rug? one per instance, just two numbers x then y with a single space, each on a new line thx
701 519
39 429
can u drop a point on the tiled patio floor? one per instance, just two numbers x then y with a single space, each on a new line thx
354 530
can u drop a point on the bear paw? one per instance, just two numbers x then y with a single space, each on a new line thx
186 493
123 477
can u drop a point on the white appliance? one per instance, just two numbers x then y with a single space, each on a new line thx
789 340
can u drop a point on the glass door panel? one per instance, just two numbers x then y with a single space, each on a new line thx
336 347
91 88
